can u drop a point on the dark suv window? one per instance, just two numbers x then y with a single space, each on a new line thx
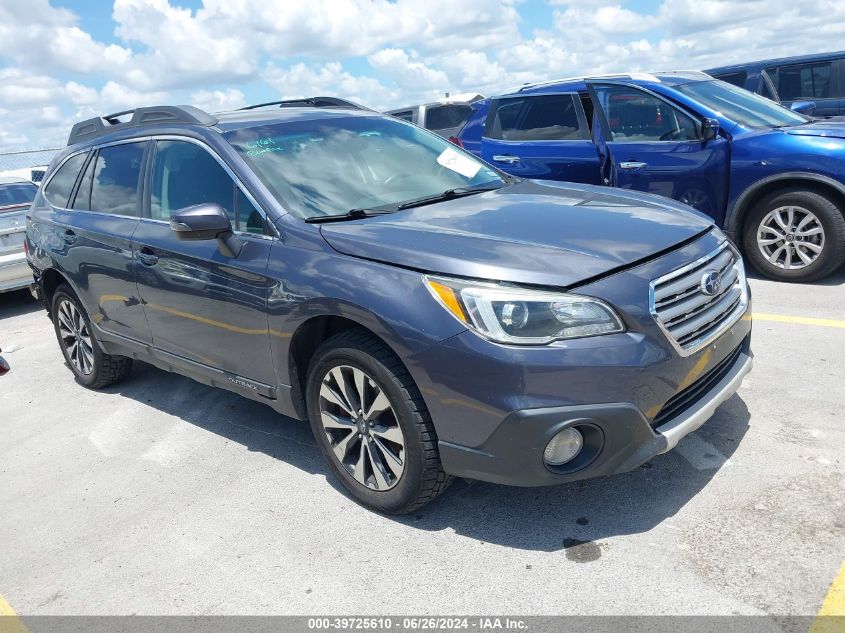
534 118
185 174
737 79
635 116
112 182
802 81
447 116
58 189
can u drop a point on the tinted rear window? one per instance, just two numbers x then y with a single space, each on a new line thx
447 116
115 187
17 193
58 189
737 79
534 118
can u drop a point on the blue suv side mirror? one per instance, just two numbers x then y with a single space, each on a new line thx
709 129
807 108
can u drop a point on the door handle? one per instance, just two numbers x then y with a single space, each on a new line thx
505 158
69 237
632 164
147 256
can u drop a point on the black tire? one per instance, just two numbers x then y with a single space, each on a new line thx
829 215
104 369
423 477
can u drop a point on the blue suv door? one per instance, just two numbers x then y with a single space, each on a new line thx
540 136
649 144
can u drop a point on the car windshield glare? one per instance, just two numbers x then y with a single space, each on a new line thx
328 166
740 105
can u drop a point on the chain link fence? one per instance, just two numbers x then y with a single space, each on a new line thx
29 164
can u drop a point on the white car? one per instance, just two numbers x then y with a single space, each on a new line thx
444 117
16 196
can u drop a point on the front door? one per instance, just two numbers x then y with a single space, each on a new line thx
202 305
540 136
654 146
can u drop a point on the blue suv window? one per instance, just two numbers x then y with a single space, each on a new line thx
535 118
113 183
635 116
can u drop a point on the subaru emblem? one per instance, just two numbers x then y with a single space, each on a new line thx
711 283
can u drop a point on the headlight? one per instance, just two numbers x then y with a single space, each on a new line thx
507 314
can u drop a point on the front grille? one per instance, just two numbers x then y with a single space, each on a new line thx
686 398
691 311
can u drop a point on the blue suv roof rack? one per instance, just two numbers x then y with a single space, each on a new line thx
309 102
99 126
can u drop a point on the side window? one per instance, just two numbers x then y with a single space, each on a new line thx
766 87
83 193
737 79
635 117
535 118
185 174
446 117
115 181
802 81
58 189
405 115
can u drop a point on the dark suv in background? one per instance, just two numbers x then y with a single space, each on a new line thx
813 84
429 315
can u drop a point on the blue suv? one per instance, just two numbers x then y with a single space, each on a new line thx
430 316
773 179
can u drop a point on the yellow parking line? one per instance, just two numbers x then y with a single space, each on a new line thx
782 318
831 617
9 621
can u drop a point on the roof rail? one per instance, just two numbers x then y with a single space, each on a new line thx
100 126
635 76
309 102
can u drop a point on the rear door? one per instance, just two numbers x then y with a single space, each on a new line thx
541 136
93 227
652 145
202 305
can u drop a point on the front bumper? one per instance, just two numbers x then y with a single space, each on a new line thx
15 273
513 453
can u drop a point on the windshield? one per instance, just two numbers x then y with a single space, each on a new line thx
331 165
740 105
17 193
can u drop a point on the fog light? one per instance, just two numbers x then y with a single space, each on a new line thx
563 447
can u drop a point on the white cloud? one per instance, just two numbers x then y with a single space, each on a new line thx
218 100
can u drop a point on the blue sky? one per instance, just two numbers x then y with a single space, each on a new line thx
64 60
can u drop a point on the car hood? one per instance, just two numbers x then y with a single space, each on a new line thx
553 234
824 127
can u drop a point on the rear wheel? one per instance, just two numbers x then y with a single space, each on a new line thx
372 425
795 235
92 367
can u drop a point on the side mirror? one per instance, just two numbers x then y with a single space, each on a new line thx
709 129
207 221
807 108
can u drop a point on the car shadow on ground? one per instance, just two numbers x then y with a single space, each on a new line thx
16 303
574 517
835 279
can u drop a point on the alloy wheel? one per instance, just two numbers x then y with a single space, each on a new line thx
361 427
790 237
76 337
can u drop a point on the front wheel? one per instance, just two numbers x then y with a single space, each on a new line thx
372 425
795 235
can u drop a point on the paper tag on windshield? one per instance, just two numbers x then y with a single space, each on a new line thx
459 163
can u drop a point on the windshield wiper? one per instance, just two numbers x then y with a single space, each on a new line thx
352 214
449 194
